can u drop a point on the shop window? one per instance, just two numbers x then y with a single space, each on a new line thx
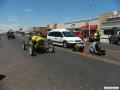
111 23
109 32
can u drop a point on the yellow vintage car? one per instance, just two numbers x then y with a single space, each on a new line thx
38 44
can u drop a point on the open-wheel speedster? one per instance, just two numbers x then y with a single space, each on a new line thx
38 44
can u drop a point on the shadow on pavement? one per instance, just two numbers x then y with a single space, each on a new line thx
2 76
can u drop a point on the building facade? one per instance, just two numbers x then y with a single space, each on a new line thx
110 21
109 24
84 26
38 29
106 24
55 26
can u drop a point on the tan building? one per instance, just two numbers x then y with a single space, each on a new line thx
109 24
55 26
38 29
43 30
110 21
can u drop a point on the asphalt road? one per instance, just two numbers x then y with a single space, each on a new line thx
63 70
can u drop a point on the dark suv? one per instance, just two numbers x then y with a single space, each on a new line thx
115 38
10 35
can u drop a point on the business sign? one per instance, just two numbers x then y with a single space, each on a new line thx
113 17
73 25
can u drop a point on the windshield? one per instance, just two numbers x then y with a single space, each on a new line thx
68 34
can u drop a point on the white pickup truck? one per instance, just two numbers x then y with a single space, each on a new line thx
115 38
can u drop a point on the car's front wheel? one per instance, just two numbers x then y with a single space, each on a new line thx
31 52
65 44
24 46
119 42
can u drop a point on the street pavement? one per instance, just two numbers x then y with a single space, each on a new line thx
62 70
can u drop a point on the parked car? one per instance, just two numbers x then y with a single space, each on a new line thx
80 35
63 37
115 38
10 34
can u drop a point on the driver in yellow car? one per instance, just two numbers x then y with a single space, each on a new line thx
36 39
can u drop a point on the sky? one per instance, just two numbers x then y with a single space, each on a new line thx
16 14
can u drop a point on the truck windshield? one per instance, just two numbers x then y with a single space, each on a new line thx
68 34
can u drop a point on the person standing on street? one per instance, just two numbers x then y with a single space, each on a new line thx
96 36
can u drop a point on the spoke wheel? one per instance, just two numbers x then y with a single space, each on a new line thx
31 50
51 48
23 46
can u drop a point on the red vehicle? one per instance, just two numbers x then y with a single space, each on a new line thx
91 38
80 35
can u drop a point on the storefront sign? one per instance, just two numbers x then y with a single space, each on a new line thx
73 26
114 17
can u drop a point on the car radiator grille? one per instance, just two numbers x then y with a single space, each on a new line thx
77 40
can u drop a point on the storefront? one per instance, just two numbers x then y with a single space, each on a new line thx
83 26
92 28
110 21
109 24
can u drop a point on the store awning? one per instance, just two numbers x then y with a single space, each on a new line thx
92 27
83 28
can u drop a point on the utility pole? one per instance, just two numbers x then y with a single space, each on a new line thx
90 6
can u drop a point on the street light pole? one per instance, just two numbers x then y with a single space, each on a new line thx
90 6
